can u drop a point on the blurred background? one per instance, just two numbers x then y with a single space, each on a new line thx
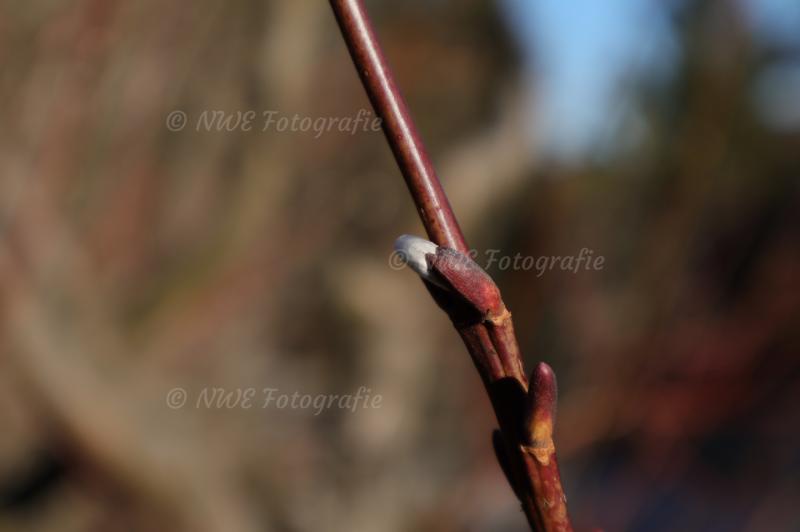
135 260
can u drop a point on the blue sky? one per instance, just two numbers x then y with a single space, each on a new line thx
582 50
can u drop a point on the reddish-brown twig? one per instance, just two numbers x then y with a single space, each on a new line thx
524 443
434 209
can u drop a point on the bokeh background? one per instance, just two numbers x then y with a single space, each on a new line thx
662 135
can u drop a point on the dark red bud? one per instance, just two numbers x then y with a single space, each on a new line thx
469 280
541 408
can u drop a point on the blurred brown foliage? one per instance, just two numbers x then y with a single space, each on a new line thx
134 260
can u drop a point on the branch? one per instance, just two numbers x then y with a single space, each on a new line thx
523 444
432 204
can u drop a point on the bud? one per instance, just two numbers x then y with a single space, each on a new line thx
414 252
470 281
541 412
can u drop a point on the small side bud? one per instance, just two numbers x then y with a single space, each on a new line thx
540 413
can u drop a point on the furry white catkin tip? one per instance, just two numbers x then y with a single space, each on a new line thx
412 249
